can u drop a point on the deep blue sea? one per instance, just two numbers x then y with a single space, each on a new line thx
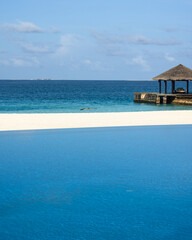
125 183
19 96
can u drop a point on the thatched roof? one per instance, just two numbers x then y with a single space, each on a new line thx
179 72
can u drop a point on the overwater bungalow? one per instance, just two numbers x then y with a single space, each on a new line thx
175 96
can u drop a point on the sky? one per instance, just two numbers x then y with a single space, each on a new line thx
94 39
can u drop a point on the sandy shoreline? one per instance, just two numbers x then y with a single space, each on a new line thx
31 121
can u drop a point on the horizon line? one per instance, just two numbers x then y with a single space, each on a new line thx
74 79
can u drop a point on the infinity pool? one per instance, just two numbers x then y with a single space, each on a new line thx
99 183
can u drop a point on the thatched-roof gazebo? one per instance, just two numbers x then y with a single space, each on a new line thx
178 73
178 96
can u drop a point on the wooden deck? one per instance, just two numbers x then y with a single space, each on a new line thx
161 98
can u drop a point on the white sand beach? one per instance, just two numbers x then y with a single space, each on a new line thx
9 122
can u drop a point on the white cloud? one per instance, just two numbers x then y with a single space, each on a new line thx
93 65
130 39
141 62
172 29
54 30
30 47
23 27
20 62
24 62
139 39
87 62
67 42
127 45
169 58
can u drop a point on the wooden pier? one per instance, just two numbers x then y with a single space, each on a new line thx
177 96
161 98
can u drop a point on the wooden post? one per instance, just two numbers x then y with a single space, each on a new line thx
164 100
165 86
159 86
173 86
158 100
187 86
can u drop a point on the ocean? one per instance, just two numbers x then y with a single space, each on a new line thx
67 96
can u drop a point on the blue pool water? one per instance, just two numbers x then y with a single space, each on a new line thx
101 183
71 96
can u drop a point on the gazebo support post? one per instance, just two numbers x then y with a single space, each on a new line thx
187 86
173 86
159 86
165 100
165 86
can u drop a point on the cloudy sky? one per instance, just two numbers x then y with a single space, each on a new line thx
93 39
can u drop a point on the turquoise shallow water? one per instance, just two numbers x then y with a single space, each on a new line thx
101 183
71 96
